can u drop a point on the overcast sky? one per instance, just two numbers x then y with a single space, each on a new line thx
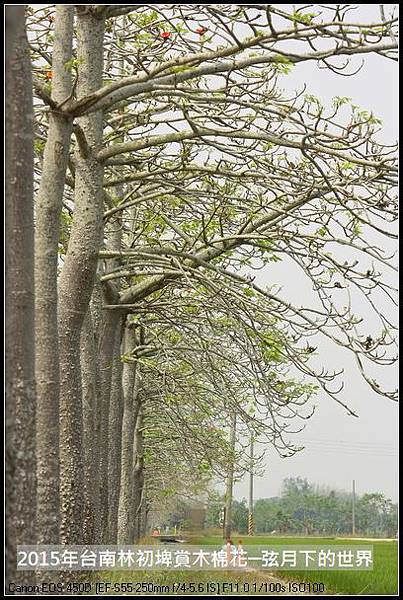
340 448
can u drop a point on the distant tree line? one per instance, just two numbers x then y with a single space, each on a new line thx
304 508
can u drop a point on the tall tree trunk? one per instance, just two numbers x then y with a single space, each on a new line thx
89 391
230 480
20 354
144 509
130 385
110 415
112 384
78 274
96 304
138 488
48 208
108 327
115 439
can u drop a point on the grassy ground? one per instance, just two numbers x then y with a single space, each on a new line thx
381 580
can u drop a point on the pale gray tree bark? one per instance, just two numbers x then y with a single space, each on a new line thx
20 353
144 508
109 325
138 487
114 439
78 274
89 395
130 386
110 415
96 317
112 383
48 207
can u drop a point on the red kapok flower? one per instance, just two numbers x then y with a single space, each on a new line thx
49 74
201 30
165 35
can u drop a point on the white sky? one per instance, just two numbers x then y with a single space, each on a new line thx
340 448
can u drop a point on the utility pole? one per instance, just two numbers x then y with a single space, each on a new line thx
230 480
353 510
251 524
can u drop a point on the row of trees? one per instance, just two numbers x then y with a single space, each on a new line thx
156 169
306 509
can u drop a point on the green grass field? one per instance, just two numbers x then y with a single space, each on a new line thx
381 580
